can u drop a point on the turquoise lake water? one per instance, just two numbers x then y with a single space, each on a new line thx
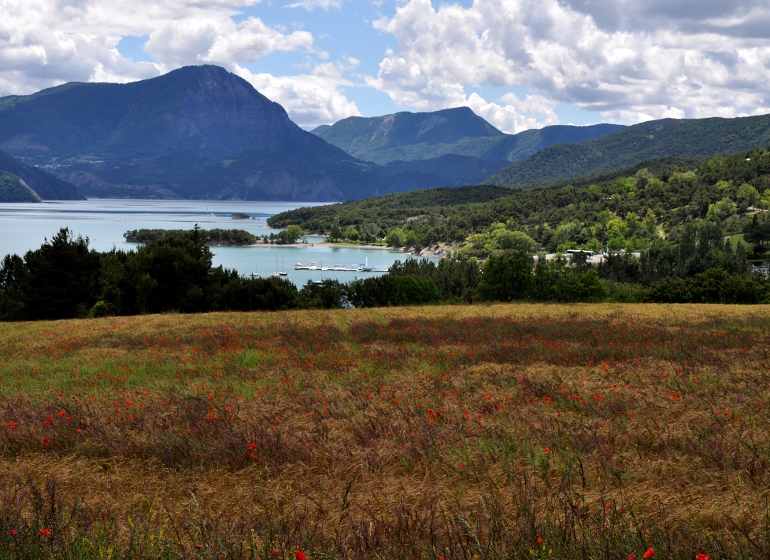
104 221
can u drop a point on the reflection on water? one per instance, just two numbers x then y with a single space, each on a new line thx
104 221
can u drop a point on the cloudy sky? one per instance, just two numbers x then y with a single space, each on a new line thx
518 63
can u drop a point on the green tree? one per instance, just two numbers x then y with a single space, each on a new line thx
414 290
370 232
172 274
335 234
13 274
747 196
62 278
513 240
396 237
290 235
505 277
352 234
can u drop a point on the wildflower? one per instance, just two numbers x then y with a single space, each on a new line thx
539 541
607 506
13 531
48 420
649 554
45 532
701 556
300 555
546 450
632 557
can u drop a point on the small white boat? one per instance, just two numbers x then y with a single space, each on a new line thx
279 272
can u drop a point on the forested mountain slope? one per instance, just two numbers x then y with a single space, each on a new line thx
637 143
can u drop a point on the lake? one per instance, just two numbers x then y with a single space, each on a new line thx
104 221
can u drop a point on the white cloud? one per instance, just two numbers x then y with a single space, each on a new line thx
313 4
48 42
310 99
599 55
221 41
623 60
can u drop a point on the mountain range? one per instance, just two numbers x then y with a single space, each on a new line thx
201 132
420 136
634 144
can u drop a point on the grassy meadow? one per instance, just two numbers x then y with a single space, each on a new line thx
462 432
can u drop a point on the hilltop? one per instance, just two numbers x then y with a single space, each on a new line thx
418 136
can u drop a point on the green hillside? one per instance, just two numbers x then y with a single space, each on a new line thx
418 136
658 204
407 136
43 185
12 189
634 144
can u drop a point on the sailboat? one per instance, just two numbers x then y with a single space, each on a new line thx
279 272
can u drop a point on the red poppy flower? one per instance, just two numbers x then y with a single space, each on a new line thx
649 554
300 555
45 532
701 556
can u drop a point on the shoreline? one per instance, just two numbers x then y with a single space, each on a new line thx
315 244
308 245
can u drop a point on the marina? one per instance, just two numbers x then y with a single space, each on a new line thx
24 227
340 268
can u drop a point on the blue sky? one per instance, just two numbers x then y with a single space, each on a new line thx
520 64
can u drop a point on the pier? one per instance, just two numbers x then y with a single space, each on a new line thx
338 268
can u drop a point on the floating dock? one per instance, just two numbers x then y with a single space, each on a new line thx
338 268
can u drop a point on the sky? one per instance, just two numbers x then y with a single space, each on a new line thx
520 64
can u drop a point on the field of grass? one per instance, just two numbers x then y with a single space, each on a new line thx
462 432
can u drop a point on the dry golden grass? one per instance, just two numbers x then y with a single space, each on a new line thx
456 431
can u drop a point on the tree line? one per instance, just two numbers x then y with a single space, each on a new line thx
64 278
218 236
630 213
